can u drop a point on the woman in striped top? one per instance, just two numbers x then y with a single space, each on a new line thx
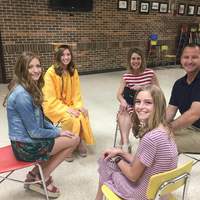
136 77
128 175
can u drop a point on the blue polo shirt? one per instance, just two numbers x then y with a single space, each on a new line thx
184 94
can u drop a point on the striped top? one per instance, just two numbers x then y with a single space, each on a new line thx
145 78
158 152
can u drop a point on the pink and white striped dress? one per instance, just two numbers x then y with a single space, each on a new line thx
156 150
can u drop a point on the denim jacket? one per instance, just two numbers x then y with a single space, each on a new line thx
26 122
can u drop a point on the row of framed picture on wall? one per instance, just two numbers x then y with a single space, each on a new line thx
145 6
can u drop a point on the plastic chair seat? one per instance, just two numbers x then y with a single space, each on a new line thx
170 56
8 161
9 164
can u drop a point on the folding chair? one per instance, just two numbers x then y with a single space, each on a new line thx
116 132
193 156
9 164
162 184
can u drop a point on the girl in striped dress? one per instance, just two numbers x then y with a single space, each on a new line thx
128 175
136 77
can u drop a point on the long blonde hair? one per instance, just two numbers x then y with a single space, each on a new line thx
157 117
22 77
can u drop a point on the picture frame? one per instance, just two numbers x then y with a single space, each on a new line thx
172 8
181 9
154 5
144 7
122 4
198 11
133 5
163 7
190 9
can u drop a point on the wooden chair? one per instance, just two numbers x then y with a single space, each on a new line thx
162 184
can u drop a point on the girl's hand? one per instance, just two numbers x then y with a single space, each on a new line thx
136 87
84 111
73 112
123 106
67 134
110 153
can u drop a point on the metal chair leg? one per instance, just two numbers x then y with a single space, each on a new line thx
43 181
116 130
192 157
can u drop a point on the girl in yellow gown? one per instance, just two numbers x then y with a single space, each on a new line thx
62 98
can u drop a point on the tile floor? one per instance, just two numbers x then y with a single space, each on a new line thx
78 180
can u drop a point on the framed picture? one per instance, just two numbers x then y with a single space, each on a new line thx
181 9
172 7
163 8
190 9
144 7
123 4
133 5
154 5
198 11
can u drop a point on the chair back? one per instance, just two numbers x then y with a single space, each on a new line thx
164 48
167 182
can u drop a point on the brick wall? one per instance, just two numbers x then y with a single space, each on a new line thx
100 38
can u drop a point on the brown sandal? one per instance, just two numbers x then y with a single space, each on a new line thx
38 187
30 177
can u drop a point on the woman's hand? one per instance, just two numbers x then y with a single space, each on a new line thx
67 134
84 111
110 153
73 112
136 87
123 105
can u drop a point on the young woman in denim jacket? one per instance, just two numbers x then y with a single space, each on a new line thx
33 138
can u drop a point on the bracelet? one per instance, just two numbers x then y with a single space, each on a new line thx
117 159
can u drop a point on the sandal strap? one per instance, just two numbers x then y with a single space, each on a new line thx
50 181
30 177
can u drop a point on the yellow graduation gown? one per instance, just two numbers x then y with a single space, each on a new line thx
61 93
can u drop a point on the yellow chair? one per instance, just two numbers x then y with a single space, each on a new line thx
162 184
109 194
168 58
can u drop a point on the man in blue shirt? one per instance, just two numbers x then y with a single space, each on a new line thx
185 97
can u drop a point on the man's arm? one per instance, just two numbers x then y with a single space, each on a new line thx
188 117
171 112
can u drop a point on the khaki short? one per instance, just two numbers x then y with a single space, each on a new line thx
188 140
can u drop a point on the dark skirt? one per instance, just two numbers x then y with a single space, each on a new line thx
33 151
